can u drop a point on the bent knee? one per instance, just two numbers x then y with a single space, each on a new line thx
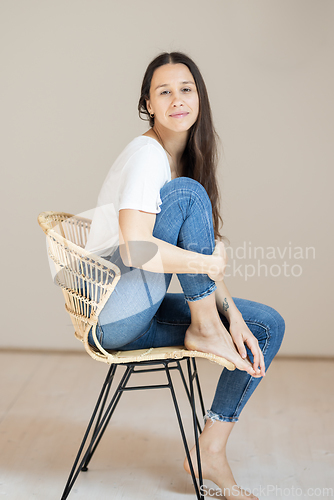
187 189
261 314
278 320
276 325
184 181
185 184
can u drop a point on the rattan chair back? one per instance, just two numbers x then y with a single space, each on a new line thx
86 280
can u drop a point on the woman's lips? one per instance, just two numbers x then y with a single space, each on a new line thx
179 115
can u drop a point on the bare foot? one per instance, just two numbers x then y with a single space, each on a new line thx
214 338
215 467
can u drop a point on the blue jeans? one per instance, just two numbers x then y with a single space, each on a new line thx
141 314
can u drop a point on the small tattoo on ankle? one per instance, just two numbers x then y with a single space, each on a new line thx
225 305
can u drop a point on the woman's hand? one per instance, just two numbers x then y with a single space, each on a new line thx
242 335
219 262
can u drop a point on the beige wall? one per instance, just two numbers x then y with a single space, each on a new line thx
71 72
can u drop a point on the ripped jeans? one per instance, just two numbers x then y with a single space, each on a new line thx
141 314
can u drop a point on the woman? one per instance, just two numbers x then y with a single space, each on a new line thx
158 214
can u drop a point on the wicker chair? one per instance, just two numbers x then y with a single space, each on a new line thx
87 282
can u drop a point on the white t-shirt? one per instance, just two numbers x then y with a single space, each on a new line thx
134 181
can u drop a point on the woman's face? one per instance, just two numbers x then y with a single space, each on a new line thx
173 98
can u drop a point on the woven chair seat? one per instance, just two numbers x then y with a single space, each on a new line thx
170 352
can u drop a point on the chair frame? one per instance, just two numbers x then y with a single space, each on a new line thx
76 266
104 410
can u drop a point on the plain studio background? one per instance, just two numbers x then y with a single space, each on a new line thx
70 78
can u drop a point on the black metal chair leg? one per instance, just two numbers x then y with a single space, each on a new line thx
105 398
184 439
101 430
191 376
98 433
199 390
187 392
104 388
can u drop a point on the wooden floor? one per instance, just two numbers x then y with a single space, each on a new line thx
284 441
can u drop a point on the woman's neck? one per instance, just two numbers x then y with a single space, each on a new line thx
174 143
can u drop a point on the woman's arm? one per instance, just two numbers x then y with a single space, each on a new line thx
239 331
136 227
225 303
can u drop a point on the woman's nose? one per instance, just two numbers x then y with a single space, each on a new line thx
177 101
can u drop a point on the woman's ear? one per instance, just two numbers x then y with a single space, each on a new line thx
148 106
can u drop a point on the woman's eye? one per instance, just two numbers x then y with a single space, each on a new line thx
164 92
186 89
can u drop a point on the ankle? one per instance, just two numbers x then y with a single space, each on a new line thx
212 454
201 328
216 449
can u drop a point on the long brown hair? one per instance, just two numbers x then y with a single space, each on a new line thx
200 158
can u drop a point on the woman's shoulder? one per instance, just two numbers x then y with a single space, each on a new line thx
145 145
142 155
